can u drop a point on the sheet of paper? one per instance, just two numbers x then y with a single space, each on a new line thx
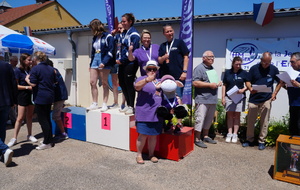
288 75
293 73
262 88
234 96
212 76
285 77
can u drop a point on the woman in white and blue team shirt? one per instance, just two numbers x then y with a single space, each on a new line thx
128 69
102 60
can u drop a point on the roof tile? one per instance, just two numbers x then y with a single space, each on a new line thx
13 14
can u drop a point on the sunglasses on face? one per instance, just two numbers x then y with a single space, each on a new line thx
152 69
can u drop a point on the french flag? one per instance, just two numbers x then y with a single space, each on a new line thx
263 13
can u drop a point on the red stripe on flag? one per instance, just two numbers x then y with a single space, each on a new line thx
269 14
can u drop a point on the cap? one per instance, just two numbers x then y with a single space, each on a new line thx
151 63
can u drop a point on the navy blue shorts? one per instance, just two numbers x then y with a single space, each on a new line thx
149 128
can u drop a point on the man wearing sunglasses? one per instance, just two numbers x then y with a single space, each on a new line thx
206 98
294 96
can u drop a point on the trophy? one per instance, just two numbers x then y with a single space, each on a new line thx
294 151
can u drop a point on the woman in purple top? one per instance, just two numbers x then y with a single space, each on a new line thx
145 53
147 123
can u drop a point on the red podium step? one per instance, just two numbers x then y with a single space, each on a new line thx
169 146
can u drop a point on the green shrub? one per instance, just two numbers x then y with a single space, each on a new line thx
275 129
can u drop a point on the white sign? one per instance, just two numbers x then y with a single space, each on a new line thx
250 50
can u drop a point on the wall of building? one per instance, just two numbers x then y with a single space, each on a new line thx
208 35
52 16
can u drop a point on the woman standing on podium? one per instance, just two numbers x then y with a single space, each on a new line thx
147 122
102 61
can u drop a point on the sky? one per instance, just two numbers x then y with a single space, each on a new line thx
86 10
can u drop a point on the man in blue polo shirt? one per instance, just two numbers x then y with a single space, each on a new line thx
294 97
8 94
173 57
260 103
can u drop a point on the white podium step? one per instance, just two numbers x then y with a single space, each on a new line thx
110 128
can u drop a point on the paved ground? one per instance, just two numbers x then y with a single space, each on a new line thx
74 164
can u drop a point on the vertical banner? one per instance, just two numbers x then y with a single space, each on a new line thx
186 34
110 14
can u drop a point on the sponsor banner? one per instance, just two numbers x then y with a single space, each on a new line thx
186 34
251 50
110 14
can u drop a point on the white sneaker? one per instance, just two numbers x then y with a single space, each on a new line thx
114 106
234 138
129 111
104 108
44 146
12 142
8 156
228 137
93 106
124 109
32 139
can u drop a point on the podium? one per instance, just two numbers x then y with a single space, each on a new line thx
169 146
286 162
73 119
110 128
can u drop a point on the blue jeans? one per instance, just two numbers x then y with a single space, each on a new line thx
179 90
4 110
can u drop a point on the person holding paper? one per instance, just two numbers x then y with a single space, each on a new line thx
294 96
260 103
205 81
233 97
173 57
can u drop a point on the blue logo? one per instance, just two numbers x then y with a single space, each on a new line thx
247 51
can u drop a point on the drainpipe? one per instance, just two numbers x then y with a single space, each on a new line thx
74 56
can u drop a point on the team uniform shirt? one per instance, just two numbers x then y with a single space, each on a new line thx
232 79
118 45
204 95
147 102
260 76
107 47
24 96
8 87
294 94
60 90
129 37
143 55
177 51
44 77
20 75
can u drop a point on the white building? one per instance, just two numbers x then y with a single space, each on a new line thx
211 32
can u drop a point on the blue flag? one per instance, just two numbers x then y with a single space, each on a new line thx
110 14
186 34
